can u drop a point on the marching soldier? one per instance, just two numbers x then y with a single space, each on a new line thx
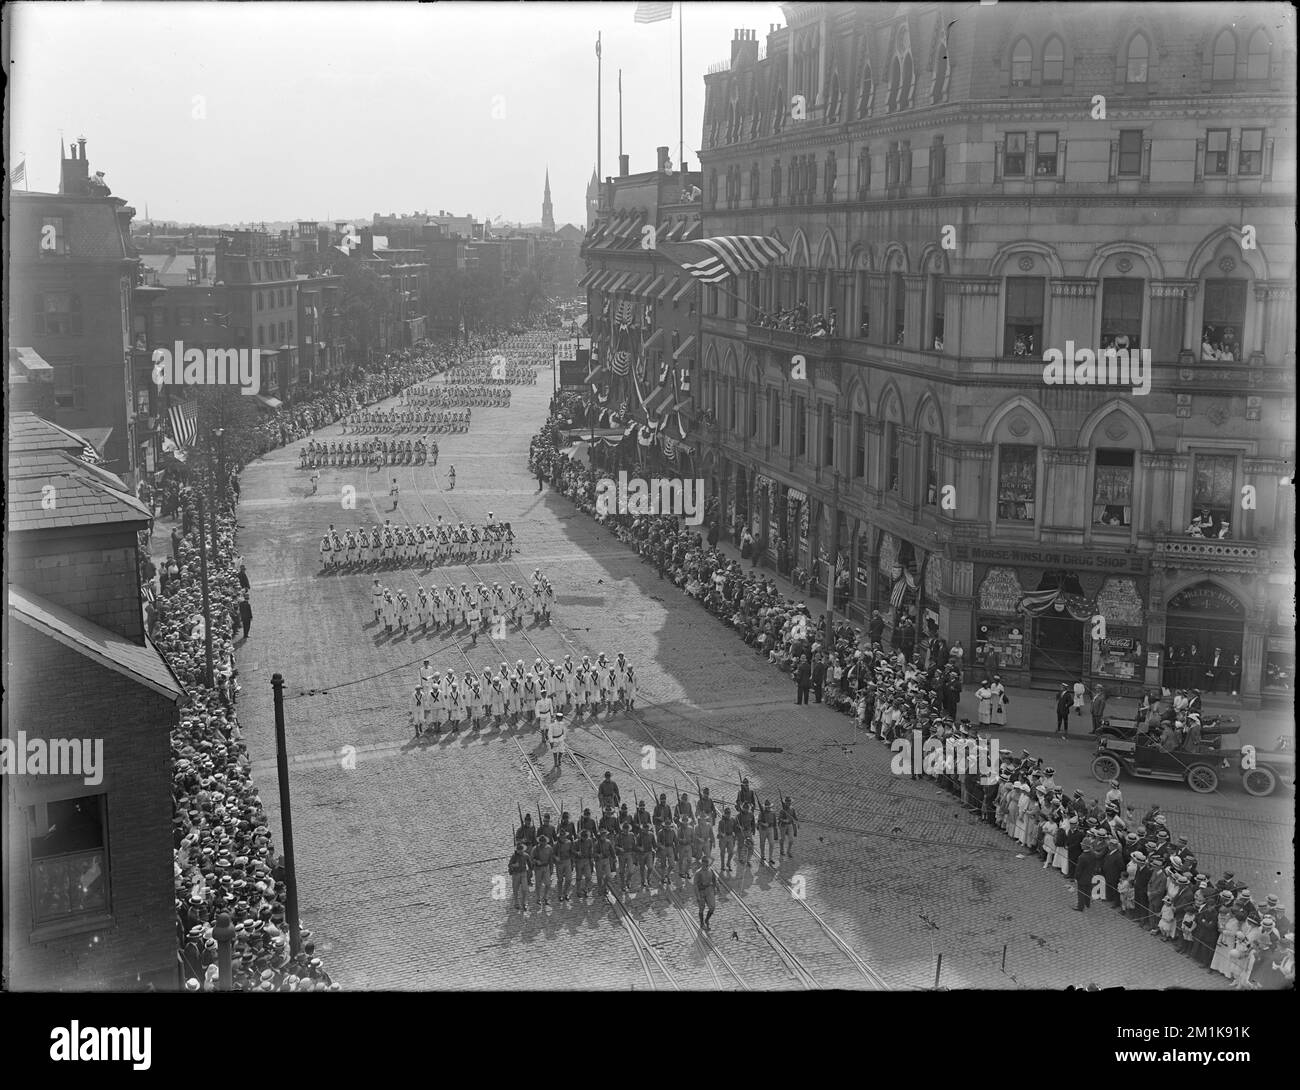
627 849
584 856
667 839
766 833
683 808
706 894
788 823
645 843
685 844
608 791
587 824
567 826
543 855
703 843
726 839
663 812
609 822
707 811
745 836
745 796
642 816
520 866
527 832
563 864
606 860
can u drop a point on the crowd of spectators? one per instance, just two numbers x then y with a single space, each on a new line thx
1108 854
796 319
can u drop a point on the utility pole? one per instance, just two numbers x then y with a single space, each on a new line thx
286 818
203 579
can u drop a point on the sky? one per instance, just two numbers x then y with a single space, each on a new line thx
239 112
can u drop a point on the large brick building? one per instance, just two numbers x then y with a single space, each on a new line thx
88 897
71 270
967 187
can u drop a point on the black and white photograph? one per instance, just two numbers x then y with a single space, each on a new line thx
444 442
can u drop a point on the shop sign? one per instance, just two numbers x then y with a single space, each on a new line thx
1090 561
1204 599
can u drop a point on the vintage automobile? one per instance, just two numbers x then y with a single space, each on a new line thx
1213 728
1199 769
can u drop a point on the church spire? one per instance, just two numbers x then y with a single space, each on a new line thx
548 215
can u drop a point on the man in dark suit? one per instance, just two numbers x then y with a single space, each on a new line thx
803 681
819 677
1064 702
245 614
1089 864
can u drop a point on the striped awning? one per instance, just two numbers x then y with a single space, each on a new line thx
659 400
671 285
632 225
795 496
638 286
588 278
654 338
679 229
684 289
652 290
604 280
684 346
620 282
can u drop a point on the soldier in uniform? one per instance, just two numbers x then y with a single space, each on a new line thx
726 839
706 810
642 816
745 836
667 839
683 808
706 894
563 864
547 828
788 823
543 856
567 826
663 813
527 832
745 796
587 823
703 843
609 821
685 844
606 859
627 850
608 791
645 843
520 868
584 854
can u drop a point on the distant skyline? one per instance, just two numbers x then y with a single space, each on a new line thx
226 113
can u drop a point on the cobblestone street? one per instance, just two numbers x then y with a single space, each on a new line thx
402 843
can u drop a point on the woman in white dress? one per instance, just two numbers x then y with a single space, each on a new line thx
984 694
1000 702
1023 803
1048 847
1229 930
1061 861
1014 798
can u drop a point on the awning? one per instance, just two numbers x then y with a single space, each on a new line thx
659 400
652 290
620 282
673 281
694 230
684 346
602 280
654 338
632 225
272 403
686 405
590 276
795 496
682 291
639 288
679 229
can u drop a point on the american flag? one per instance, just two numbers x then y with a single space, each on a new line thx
19 173
91 456
184 419
653 12
731 255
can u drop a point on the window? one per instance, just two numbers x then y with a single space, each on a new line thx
936 313
894 459
1212 486
1251 159
938 161
776 182
905 162
713 188
1022 60
1216 151
895 76
1257 56
1112 488
1130 151
1017 482
1045 155
775 422
733 404
905 89
69 859
1054 62
69 386
859 445
864 173
931 471
1024 326
830 173
1225 57
891 166
1139 55
260 341
828 436
751 396
865 93
1013 159
833 102
800 423
58 313
1223 319
290 328
1121 313
941 73
281 329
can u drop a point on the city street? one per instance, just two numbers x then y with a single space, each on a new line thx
402 843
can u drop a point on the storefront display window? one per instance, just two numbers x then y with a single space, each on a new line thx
1005 637
1121 655
1279 668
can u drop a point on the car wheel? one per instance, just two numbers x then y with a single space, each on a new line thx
1259 781
1105 768
1202 779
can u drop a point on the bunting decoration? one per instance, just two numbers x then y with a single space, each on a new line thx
620 362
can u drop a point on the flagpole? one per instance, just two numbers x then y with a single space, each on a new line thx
600 177
681 110
620 119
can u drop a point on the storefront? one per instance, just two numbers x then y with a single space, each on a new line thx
796 528
1204 630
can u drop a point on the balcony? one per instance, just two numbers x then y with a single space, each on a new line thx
1200 554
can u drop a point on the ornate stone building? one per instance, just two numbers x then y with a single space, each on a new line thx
963 189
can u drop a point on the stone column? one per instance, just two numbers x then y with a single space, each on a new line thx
1166 323
875 438
973 329
1157 620
1253 636
909 442
914 311
971 470
957 604
1072 315
878 303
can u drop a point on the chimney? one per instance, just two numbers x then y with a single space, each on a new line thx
744 48
81 143
662 154
622 166
74 172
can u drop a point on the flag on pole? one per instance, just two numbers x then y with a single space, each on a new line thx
598 45
653 12
184 420
19 174
731 255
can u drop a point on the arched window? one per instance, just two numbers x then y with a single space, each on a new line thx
1022 62
864 173
755 114
259 300
1225 57
895 79
909 78
776 182
713 189
865 93
1257 56
1139 56
1054 62
753 183
833 101
779 108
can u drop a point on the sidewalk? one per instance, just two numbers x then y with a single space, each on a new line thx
1033 711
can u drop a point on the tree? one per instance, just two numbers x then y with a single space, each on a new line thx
365 304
